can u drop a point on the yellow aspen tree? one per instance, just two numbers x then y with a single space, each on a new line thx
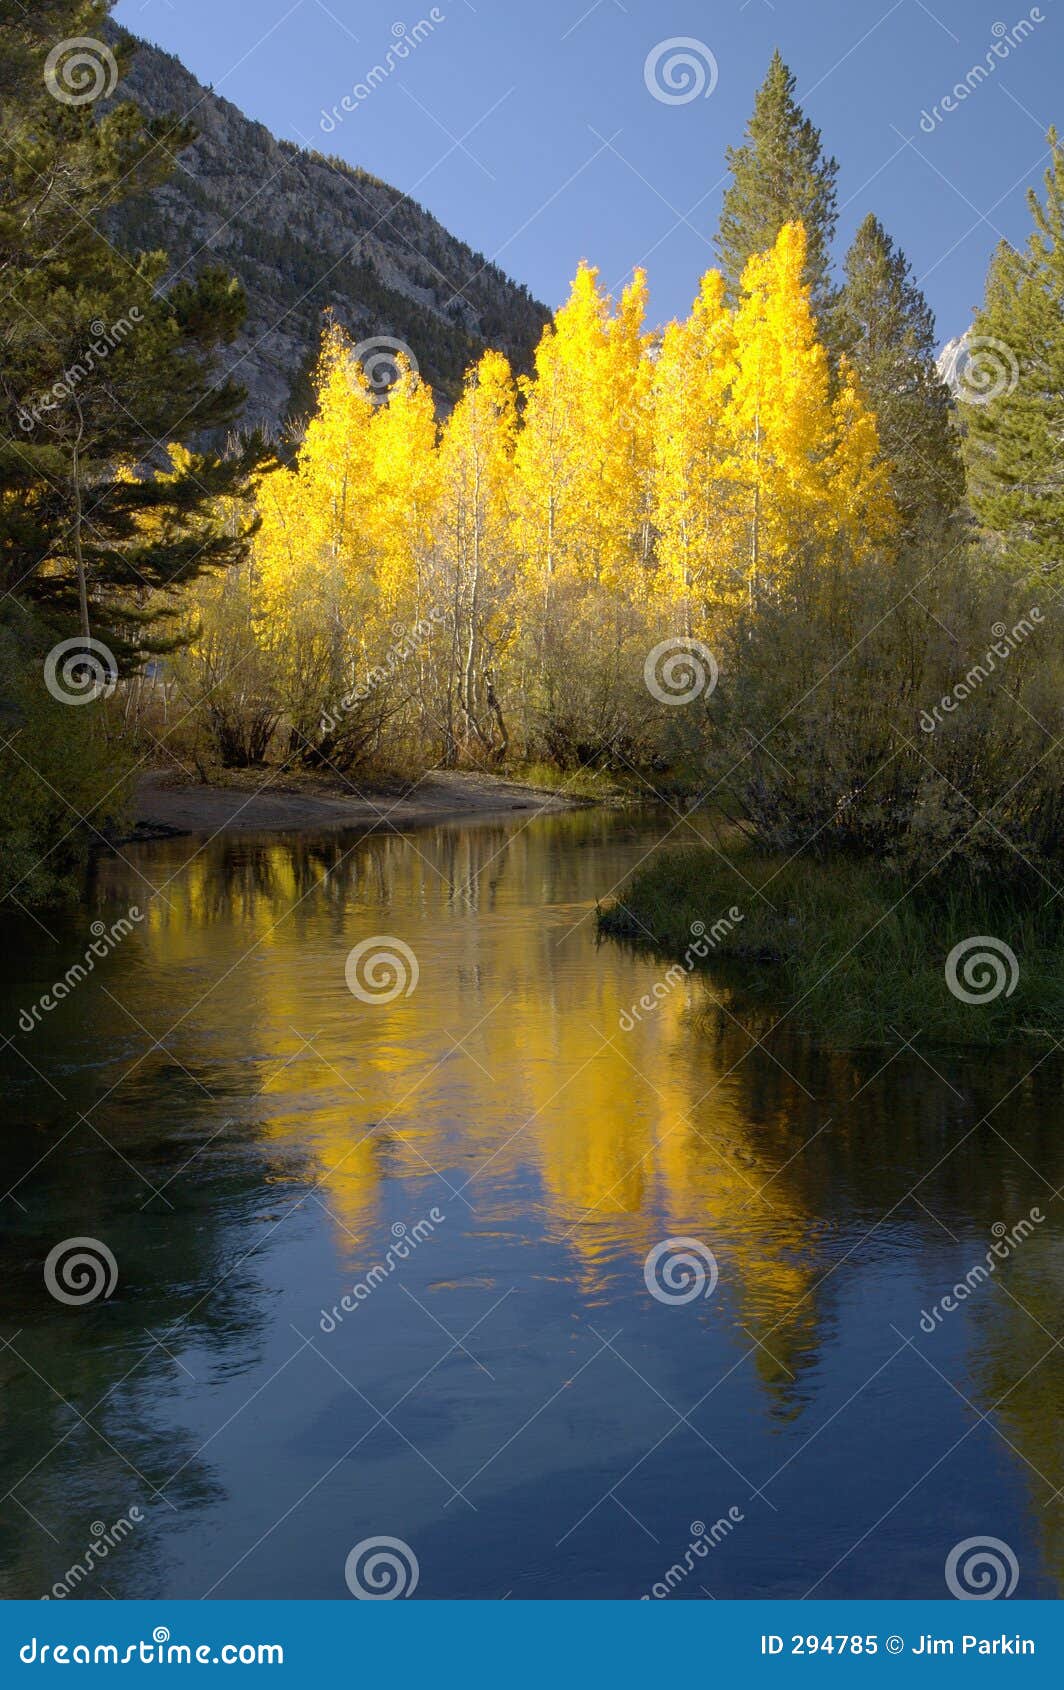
622 434
550 480
314 553
313 515
550 468
405 475
581 495
780 416
401 521
583 453
858 475
806 463
474 551
692 495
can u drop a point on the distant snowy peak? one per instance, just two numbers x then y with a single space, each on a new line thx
952 359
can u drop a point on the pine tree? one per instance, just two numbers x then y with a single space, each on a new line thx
1016 379
779 175
105 365
887 330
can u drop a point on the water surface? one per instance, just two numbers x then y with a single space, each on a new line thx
250 1141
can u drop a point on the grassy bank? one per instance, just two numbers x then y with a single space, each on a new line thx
851 954
594 784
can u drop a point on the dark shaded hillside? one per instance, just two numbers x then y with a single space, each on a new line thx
304 232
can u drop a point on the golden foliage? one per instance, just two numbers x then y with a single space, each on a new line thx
548 526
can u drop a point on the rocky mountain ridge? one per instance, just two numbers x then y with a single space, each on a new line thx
305 233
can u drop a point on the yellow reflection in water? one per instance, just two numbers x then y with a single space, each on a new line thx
506 1068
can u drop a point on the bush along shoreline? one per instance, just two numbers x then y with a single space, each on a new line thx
853 953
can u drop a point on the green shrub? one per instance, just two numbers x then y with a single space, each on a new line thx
908 710
63 777
853 952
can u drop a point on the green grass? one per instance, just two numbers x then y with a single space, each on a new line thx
577 783
850 953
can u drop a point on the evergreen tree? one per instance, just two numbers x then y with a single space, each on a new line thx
1015 380
779 175
106 363
887 330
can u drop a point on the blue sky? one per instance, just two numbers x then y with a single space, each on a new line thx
528 126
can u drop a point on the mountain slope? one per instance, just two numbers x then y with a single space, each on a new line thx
303 232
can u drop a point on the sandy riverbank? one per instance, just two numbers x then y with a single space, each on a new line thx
256 804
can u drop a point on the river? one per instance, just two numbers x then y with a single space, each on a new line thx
482 1166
